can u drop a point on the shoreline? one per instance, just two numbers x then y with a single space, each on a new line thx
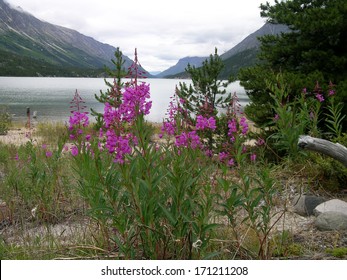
17 136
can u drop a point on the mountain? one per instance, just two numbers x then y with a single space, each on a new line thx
242 55
252 42
33 47
181 66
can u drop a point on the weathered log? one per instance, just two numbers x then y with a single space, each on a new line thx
334 150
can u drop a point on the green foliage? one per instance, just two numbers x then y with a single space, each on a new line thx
314 50
314 44
206 93
253 196
5 120
298 114
290 119
206 96
332 174
51 133
22 66
238 61
40 181
334 119
255 80
152 207
338 252
171 200
113 93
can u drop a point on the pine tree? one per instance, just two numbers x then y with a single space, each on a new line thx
206 93
113 94
314 50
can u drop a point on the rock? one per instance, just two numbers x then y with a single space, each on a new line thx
331 221
334 205
305 204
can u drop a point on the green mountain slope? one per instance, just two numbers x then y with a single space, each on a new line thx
33 46
232 65
18 65
239 60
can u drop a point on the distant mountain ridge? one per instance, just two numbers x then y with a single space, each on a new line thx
24 38
181 65
244 54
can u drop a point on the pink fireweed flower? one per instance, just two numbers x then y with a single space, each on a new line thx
182 140
78 119
44 146
244 125
119 145
231 162
110 115
223 156
209 153
232 125
88 137
169 124
253 157
202 123
194 140
49 154
320 97
169 127
135 102
276 117
260 142
190 139
16 157
211 123
74 151
331 89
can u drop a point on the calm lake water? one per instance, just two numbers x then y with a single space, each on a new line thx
50 97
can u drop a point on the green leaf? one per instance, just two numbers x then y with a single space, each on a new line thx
168 215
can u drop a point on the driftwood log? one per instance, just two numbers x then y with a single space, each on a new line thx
334 150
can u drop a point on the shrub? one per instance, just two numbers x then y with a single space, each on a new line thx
5 120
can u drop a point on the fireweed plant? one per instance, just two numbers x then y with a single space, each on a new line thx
312 112
158 201
39 179
169 199
148 201
252 195
153 200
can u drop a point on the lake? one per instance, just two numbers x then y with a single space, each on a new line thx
50 97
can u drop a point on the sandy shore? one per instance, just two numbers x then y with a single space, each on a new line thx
17 136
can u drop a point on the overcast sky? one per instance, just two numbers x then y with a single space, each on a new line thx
162 31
